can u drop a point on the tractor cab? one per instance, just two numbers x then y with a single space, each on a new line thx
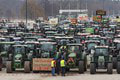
74 51
47 49
64 40
5 48
30 39
50 33
117 43
31 49
93 37
116 53
90 44
45 40
81 37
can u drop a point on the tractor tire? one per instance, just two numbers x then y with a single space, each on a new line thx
10 57
35 71
114 62
67 69
27 66
85 65
110 68
81 67
118 67
92 68
9 66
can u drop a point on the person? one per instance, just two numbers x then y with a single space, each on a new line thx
58 66
53 64
62 65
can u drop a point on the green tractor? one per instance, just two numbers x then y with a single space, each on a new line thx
74 57
19 59
4 52
46 53
101 59
116 55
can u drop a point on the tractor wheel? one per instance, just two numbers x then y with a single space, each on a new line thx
10 57
1 63
27 66
114 62
81 67
35 71
67 69
9 66
92 68
118 67
110 68
85 65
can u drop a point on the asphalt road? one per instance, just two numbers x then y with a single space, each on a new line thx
73 75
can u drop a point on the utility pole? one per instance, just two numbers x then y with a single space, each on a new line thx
26 15
26 12
69 8
103 4
86 4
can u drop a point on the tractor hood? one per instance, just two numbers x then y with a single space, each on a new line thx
18 56
72 55
45 54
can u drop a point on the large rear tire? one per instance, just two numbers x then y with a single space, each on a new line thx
118 67
114 62
110 68
92 68
85 64
81 67
9 66
27 66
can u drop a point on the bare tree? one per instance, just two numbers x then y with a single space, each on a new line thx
33 9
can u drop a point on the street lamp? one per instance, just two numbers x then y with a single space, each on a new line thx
26 16
103 4
26 12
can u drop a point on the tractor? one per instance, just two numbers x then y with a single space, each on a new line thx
46 53
19 59
116 55
101 59
74 57
4 52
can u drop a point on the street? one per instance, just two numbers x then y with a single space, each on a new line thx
73 75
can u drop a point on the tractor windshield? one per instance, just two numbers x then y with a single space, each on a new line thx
118 46
30 39
74 48
91 45
19 50
93 38
4 47
47 47
101 51
31 46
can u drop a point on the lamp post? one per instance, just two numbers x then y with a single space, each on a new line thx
26 12
26 16
103 4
